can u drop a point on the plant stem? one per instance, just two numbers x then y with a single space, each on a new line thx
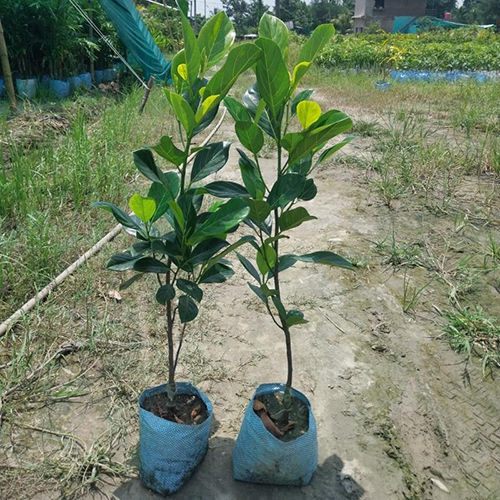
170 341
284 326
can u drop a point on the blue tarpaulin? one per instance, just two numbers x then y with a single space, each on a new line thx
136 37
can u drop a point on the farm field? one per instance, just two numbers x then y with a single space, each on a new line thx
399 357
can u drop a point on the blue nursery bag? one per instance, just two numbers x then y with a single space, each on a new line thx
169 452
260 457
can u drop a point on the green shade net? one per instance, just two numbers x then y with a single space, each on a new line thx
410 24
136 37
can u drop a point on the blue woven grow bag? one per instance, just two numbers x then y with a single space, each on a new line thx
86 80
259 457
60 88
169 452
26 87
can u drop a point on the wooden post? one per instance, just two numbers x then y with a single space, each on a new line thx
91 36
9 83
146 93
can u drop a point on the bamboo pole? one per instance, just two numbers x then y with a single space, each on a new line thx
9 83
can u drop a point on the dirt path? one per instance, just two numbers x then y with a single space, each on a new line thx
395 419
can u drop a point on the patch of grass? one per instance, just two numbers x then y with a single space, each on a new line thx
399 254
45 192
472 331
366 128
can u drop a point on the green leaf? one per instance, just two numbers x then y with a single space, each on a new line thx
250 135
275 29
165 293
301 96
164 193
188 310
279 306
167 149
295 317
308 113
293 218
144 208
286 189
226 189
210 160
145 163
150 265
239 59
258 292
259 209
309 192
216 37
251 176
122 261
248 266
206 249
206 108
190 288
253 102
324 257
329 125
219 273
237 110
330 151
319 38
191 49
298 72
226 217
272 76
266 258
182 110
123 218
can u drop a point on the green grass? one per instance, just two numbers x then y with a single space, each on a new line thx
474 332
46 191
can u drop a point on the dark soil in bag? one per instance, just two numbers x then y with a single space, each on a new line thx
188 409
286 425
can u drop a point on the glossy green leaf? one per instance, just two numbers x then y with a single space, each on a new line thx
216 37
295 317
250 135
237 110
253 102
301 96
122 261
275 29
167 149
310 190
319 38
210 160
258 292
286 189
259 209
308 113
190 288
123 218
294 218
150 265
144 208
182 110
239 59
279 306
188 310
272 76
191 50
205 108
330 151
164 294
225 218
226 189
229 249
266 258
145 163
206 249
299 71
251 177
164 193
219 273
248 266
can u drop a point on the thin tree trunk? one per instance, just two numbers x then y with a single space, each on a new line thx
9 83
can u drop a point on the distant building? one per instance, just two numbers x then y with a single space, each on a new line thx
383 12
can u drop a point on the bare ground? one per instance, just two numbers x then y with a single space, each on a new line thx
396 417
